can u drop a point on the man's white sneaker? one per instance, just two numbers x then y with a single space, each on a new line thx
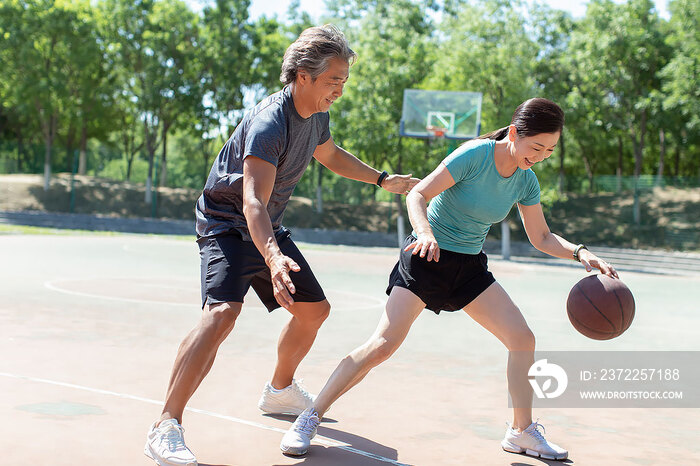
165 444
298 438
531 442
290 400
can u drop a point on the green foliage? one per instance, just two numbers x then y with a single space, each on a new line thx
680 89
123 82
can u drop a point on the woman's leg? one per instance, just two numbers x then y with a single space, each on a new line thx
402 309
495 311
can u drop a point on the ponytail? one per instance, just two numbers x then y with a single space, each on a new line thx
495 135
532 117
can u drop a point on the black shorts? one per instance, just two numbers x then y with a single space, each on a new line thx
229 266
448 285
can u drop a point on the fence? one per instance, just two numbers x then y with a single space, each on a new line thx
670 218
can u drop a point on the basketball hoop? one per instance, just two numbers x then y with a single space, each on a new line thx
437 132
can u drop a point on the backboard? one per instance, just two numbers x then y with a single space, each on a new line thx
456 114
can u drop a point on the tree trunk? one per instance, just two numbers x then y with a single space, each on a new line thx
70 142
164 158
639 145
677 160
149 136
82 160
319 187
638 151
562 174
589 170
130 149
49 135
620 158
662 154
47 164
20 149
205 159
129 162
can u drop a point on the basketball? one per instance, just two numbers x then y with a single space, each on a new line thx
600 307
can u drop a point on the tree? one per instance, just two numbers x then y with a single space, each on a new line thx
227 39
552 30
392 40
499 60
680 78
617 52
91 81
154 44
174 43
42 39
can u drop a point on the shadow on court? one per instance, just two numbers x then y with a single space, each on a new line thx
537 461
326 453
291 418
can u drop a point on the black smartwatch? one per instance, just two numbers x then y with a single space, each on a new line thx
381 178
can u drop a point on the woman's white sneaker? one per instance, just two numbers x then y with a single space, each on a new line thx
290 400
531 442
298 438
165 444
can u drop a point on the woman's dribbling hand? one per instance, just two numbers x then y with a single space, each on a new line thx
426 245
590 261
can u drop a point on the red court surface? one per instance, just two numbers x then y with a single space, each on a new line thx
89 327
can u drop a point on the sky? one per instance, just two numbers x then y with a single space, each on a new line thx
279 7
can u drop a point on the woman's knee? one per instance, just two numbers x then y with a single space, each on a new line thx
521 339
380 349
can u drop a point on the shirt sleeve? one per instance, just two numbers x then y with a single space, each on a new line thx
265 138
461 163
324 120
531 190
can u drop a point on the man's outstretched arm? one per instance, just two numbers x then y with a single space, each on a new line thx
342 162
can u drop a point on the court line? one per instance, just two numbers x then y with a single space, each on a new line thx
51 285
325 441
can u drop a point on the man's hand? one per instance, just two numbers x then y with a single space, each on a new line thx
282 285
399 184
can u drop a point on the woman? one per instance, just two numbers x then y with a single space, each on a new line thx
443 268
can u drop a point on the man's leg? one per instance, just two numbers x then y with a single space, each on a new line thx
165 442
196 356
296 339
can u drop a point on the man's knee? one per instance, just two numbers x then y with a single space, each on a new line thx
314 314
220 318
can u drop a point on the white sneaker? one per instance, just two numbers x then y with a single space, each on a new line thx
290 400
165 444
531 442
298 438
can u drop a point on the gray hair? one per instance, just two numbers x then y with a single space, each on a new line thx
312 51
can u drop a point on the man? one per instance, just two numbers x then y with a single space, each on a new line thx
241 239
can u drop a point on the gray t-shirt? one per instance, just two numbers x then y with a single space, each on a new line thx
274 132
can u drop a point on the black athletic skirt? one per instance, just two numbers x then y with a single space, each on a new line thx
448 285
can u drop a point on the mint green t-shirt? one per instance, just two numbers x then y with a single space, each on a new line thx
462 215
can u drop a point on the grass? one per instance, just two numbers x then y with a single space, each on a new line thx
6 229
27 230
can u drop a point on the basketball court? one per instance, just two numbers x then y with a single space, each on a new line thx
91 324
